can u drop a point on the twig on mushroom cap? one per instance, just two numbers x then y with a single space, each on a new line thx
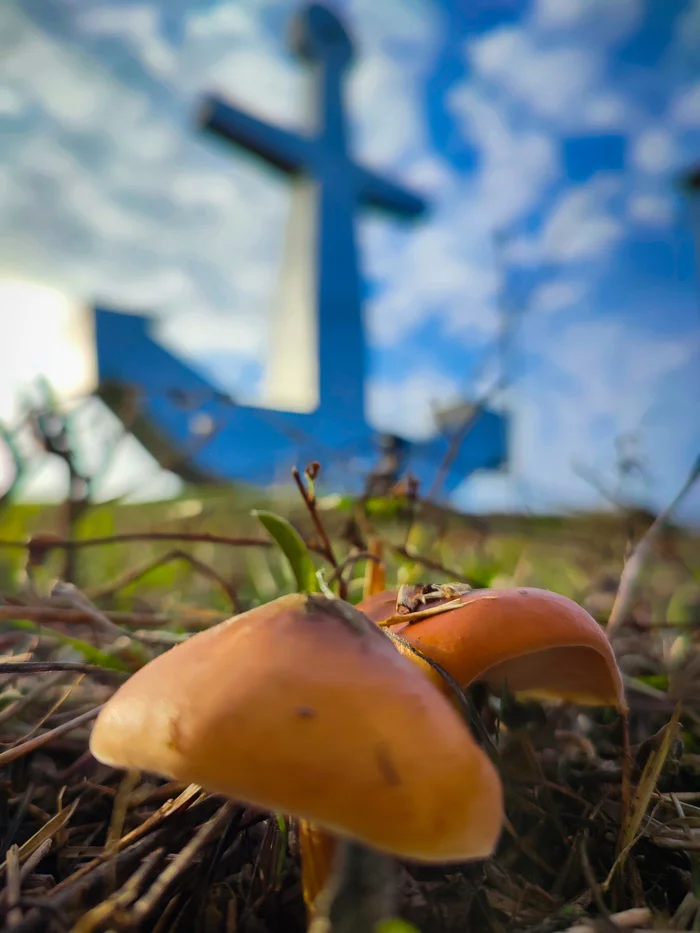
537 642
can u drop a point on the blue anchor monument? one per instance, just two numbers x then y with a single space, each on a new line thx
199 432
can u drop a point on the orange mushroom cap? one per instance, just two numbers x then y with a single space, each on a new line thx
537 642
303 706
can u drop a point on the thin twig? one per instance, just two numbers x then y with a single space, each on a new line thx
350 561
14 885
18 751
133 536
435 565
73 667
632 918
17 706
29 865
71 594
131 576
641 553
460 435
310 501
180 863
46 615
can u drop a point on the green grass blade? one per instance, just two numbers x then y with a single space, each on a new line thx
293 547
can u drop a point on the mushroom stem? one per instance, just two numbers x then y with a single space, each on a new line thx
361 891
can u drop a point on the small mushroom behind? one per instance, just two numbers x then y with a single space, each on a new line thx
539 643
304 707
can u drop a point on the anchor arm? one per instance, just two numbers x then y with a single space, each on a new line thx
376 191
287 151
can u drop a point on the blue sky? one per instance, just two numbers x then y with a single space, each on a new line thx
562 124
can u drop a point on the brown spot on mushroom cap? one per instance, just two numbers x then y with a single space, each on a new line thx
538 642
222 710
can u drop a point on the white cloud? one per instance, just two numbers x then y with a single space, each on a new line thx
200 334
654 152
551 80
232 20
416 26
455 293
556 296
37 66
516 165
687 30
685 106
653 210
613 376
138 26
161 287
273 89
605 380
396 43
138 225
409 406
608 20
554 63
607 110
10 102
582 225
385 133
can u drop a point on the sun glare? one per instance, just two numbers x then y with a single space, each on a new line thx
43 332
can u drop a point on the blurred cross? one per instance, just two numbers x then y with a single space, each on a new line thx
341 187
190 426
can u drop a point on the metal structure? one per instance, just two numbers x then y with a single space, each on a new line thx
205 436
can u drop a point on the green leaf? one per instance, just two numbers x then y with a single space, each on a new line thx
658 681
394 925
293 548
385 507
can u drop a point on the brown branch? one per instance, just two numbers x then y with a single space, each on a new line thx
435 565
69 593
46 615
12 754
350 561
131 576
51 543
72 667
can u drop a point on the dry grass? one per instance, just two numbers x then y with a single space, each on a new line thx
87 849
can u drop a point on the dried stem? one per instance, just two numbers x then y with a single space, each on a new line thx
18 751
131 576
133 536
308 494
70 667
434 565
50 615
641 553
350 561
